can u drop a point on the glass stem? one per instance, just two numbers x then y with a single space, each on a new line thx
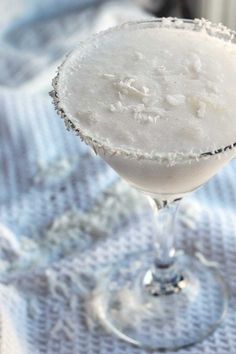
164 277
164 215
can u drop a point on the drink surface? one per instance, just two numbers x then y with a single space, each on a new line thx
150 89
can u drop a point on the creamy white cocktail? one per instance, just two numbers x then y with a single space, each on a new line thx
152 99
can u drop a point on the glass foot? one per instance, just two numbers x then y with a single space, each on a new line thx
156 315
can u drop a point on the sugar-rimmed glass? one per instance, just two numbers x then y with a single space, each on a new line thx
162 299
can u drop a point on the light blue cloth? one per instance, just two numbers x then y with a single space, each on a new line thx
39 33
33 140
65 214
47 174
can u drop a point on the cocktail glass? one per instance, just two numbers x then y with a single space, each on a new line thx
162 299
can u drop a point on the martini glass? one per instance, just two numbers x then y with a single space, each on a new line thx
163 299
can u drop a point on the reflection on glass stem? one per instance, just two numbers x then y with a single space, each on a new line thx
164 278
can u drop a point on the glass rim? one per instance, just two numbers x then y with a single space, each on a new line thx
215 30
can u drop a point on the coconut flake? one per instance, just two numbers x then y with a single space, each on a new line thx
9 244
167 21
118 107
175 100
201 112
139 55
190 212
197 64
109 76
48 172
179 23
127 87
212 86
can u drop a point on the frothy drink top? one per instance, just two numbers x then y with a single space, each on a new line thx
153 88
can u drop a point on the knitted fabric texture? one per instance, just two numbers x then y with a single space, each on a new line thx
66 218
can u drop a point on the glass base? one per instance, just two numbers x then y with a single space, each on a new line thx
164 316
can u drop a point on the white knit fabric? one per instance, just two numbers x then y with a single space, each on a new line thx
66 217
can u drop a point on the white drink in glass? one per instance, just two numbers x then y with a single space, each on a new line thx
156 99
161 96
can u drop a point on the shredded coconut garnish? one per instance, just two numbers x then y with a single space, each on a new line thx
118 107
142 114
179 23
212 86
167 21
175 100
201 112
48 171
161 69
126 309
73 231
109 76
189 214
144 118
127 87
197 64
139 55
9 245
201 103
